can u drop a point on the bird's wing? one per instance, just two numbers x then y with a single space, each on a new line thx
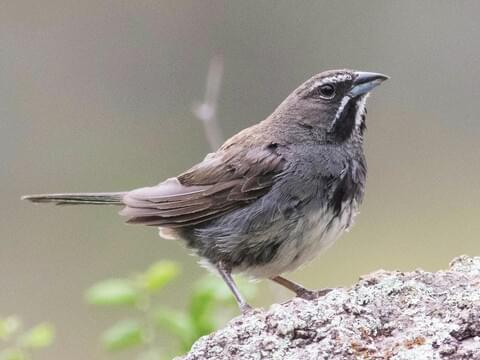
217 185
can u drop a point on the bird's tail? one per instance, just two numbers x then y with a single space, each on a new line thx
112 198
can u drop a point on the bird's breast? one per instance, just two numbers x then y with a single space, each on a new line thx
312 234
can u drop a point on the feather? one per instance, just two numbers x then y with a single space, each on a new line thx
219 184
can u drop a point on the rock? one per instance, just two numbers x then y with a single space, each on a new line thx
386 315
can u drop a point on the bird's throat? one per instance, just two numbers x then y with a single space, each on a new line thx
349 119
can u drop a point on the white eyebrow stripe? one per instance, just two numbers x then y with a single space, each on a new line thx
332 79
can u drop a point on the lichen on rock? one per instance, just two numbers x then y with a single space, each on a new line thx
386 315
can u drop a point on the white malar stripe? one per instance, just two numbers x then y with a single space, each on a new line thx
360 110
343 103
361 104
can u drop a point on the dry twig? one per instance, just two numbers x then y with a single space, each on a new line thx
207 110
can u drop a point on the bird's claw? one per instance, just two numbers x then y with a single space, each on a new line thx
313 294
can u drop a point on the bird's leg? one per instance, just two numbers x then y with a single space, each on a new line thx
298 289
293 286
225 273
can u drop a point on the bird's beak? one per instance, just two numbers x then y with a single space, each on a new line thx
365 81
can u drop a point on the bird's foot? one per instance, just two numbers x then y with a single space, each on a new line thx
246 309
312 294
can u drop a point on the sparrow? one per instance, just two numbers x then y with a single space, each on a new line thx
273 196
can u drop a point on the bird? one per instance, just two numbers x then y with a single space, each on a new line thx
273 196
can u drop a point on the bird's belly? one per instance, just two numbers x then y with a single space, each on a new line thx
314 233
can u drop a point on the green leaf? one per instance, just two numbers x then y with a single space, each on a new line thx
178 324
210 292
40 336
214 287
159 274
12 354
201 305
220 292
9 326
123 335
112 292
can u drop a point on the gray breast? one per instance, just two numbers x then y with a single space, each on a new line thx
304 213
311 235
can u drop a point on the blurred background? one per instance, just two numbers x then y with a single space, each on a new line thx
97 96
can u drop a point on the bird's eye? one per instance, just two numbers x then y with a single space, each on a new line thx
326 91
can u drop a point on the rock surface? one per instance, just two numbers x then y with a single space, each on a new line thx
386 315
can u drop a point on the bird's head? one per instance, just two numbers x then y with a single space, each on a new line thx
333 102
